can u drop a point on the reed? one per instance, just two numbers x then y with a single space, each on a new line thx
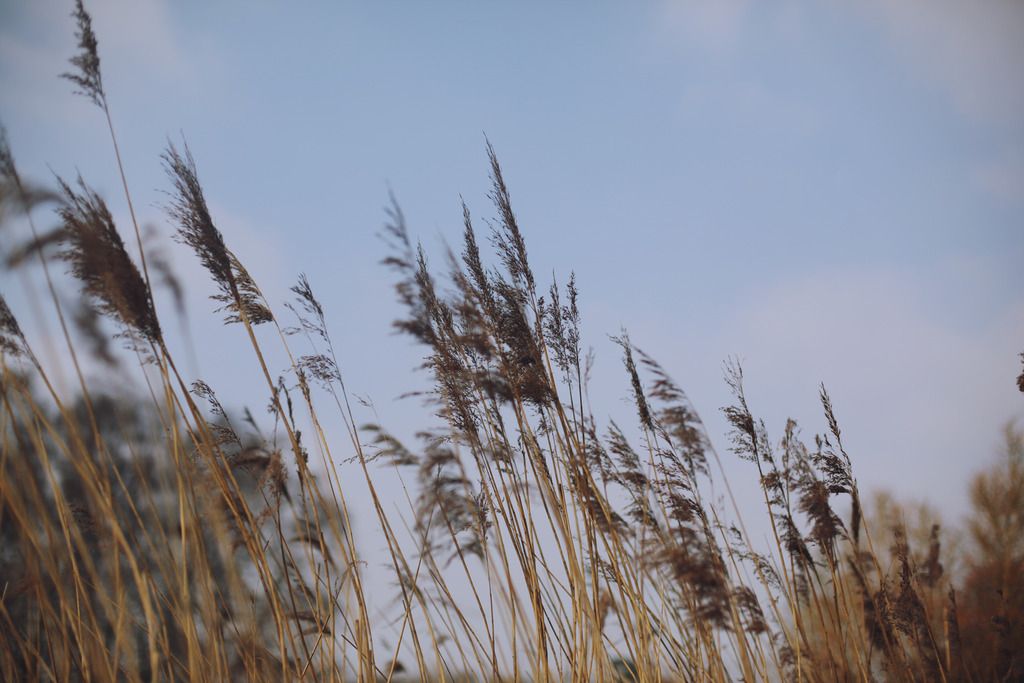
169 540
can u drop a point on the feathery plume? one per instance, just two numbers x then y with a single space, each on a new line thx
471 257
508 239
643 409
1020 377
8 171
12 340
932 570
196 226
562 326
87 75
98 258
240 296
312 320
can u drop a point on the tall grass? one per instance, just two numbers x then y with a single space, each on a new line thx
165 540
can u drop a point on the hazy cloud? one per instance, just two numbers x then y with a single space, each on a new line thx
1003 179
715 25
974 51
137 41
916 386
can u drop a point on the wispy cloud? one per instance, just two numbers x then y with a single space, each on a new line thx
1003 178
712 25
974 51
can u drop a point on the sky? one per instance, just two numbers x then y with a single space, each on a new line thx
830 192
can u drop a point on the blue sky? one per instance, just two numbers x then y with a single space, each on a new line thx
833 192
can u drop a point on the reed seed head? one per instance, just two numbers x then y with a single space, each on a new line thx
87 74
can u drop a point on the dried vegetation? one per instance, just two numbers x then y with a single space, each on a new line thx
162 540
